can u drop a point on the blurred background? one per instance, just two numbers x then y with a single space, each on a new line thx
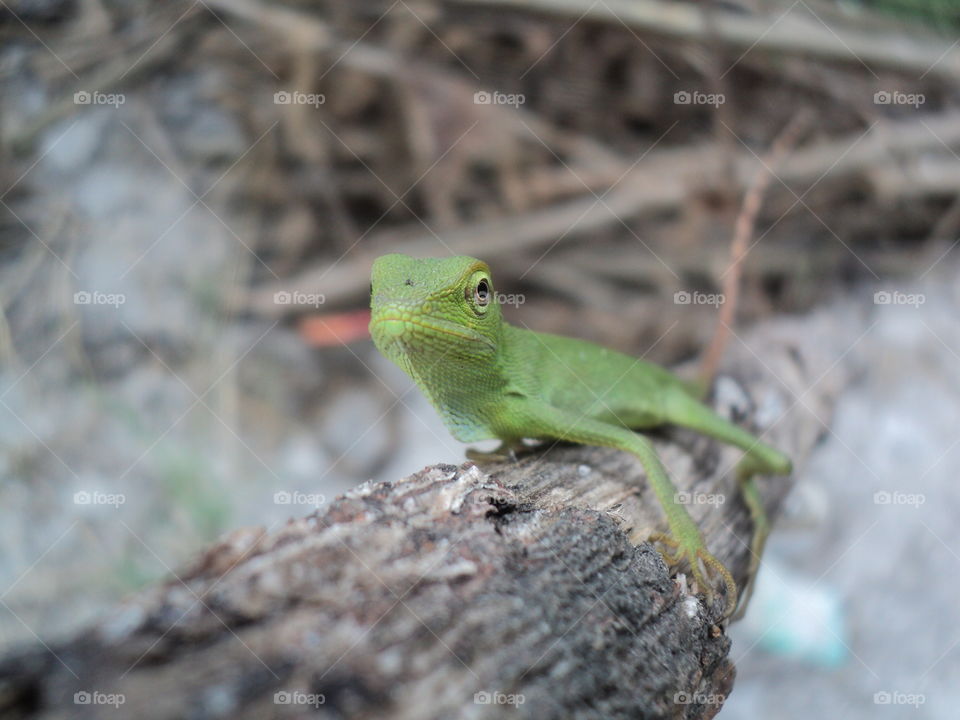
192 193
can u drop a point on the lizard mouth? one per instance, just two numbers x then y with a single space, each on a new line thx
397 328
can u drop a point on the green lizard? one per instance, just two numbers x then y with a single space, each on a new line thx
440 321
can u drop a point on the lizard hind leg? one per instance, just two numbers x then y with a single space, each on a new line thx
761 530
759 458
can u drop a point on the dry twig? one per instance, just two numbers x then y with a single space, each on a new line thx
740 245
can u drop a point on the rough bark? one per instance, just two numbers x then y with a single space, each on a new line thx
403 600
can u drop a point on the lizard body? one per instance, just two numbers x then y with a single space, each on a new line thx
440 321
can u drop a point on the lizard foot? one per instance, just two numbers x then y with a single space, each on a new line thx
506 451
690 554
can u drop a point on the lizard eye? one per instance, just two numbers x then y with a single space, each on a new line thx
482 293
478 292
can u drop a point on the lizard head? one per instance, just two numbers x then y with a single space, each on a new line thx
425 310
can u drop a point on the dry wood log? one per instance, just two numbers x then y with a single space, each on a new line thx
403 600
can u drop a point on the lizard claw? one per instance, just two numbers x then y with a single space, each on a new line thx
690 555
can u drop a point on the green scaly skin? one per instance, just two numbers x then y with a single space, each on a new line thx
439 320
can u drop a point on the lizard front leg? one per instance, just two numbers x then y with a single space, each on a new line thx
507 450
759 459
531 418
